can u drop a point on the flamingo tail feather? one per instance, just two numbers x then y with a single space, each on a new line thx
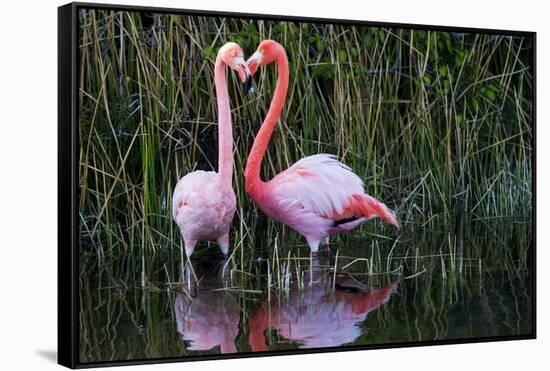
371 207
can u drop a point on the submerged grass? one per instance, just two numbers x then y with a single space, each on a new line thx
437 124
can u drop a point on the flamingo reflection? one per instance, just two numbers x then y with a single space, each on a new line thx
208 319
316 317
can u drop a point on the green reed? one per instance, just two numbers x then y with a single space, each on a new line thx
437 124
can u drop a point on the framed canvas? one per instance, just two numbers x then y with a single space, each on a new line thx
235 185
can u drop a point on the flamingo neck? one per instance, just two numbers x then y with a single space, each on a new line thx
225 131
254 162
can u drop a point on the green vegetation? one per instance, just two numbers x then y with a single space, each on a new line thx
437 124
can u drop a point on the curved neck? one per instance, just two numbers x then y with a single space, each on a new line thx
254 162
225 131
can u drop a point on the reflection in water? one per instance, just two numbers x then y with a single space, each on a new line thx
318 317
208 319
457 296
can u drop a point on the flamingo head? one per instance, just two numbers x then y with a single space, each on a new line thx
268 51
233 56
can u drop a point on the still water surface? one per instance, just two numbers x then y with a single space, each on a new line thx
314 308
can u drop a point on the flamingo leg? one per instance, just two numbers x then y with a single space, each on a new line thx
326 245
225 271
223 242
314 246
190 278
188 267
189 246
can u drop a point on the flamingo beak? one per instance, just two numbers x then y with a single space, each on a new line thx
244 74
248 84
252 65
254 61
241 68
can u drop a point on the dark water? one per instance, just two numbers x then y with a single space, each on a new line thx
309 306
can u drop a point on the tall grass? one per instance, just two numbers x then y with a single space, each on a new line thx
437 124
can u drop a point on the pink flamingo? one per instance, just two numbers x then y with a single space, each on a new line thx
318 195
204 202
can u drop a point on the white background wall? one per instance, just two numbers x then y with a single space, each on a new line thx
28 180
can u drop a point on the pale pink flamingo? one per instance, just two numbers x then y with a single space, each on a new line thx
318 195
204 202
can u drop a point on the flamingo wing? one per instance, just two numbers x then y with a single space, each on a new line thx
321 183
324 186
202 209
190 190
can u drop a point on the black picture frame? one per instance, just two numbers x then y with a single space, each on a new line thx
68 149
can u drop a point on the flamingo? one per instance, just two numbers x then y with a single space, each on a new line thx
204 202
318 195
